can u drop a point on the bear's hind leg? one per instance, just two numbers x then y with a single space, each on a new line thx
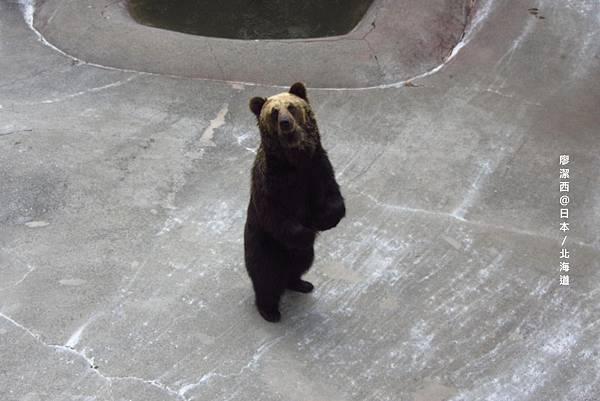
267 302
263 259
299 262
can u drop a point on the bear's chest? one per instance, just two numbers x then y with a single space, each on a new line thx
293 193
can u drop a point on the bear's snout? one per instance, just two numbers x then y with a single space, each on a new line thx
285 124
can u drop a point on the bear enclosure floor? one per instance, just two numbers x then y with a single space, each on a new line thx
123 199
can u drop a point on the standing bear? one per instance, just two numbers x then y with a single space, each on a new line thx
294 195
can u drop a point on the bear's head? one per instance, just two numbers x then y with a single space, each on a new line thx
286 122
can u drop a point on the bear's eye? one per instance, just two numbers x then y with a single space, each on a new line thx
292 109
274 114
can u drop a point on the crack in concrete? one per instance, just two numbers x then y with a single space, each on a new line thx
512 97
80 354
260 352
31 269
76 336
517 43
486 170
374 55
15 132
485 225
80 93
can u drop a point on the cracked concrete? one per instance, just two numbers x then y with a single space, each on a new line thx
76 94
123 201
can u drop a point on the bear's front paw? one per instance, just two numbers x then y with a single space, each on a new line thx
327 222
331 216
301 237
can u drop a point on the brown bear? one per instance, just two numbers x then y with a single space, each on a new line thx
294 195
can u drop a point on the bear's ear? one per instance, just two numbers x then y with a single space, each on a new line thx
299 90
256 104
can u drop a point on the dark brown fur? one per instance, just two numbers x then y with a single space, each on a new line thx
294 195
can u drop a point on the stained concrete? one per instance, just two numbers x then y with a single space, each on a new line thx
123 200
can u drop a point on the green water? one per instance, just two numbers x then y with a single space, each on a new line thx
252 19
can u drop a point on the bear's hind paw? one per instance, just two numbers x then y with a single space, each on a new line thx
301 286
270 315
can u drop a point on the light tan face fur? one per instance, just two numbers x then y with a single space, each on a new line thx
285 106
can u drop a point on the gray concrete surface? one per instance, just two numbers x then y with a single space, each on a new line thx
123 198
378 50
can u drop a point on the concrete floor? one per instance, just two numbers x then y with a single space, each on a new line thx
123 198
